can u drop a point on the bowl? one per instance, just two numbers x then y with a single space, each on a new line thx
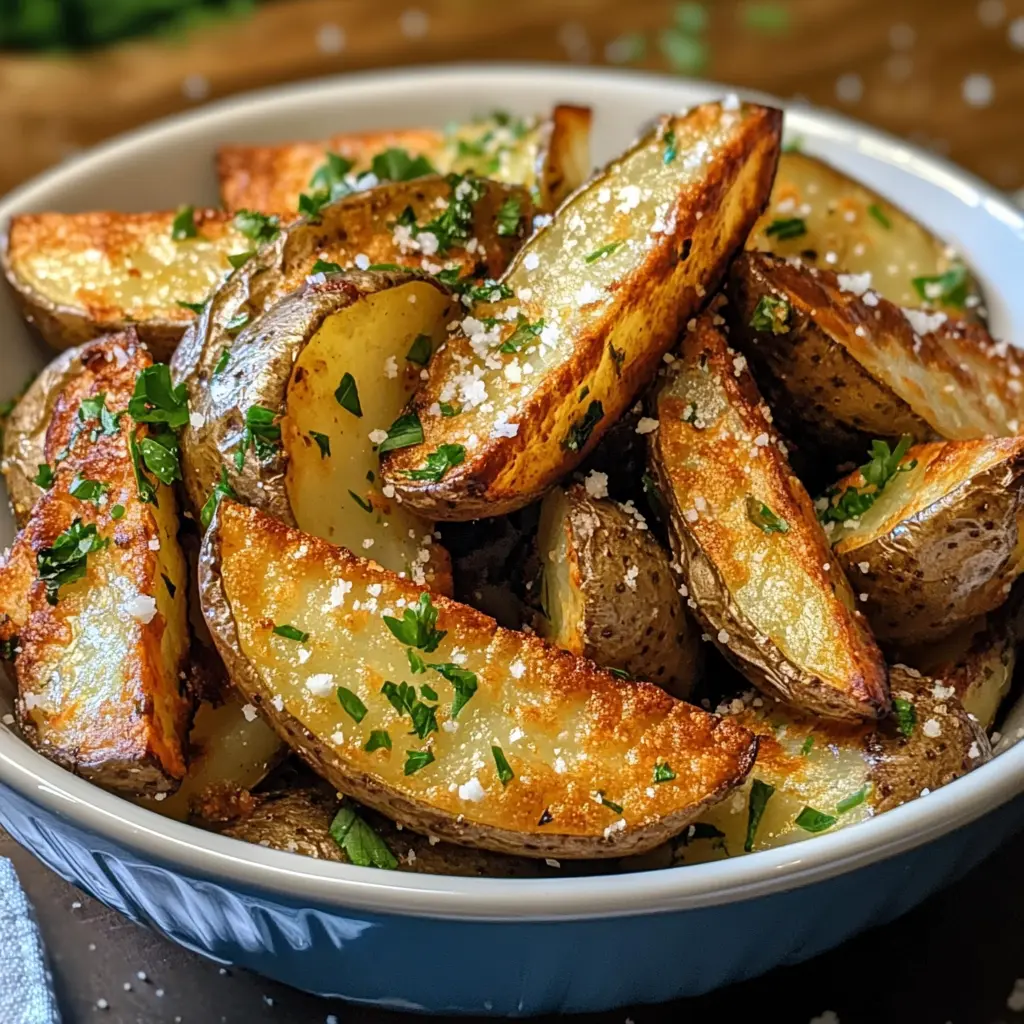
486 946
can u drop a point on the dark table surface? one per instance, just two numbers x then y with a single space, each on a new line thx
955 960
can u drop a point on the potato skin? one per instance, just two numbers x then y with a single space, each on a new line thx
932 569
632 616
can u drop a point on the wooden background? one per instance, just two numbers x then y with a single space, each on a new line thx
902 64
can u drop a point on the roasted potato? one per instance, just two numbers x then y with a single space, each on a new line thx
608 593
596 299
826 219
550 156
933 541
813 777
754 559
92 595
842 366
333 365
540 753
78 276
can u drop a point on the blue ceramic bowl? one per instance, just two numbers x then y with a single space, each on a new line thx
488 945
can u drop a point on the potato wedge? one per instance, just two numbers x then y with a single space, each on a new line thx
754 558
78 276
303 629
598 297
940 545
842 366
92 595
550 156
334 364
829 220
825 776
608 593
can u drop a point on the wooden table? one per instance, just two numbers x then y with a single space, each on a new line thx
902 64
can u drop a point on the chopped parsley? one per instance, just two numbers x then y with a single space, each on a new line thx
510 213
325 267
416 628
239 259
184 224
347 395
95 408
771 313
311 203
618 358
853 800
117 512
156 399
786 228
449 410
361 502
193 307
464 681
811 820
236 323
580 431
380 739
329 182
949 289
323 442
291 633
416 662
404 432
261 433
663 773
417 759
404 700
655 499
351 703
420 350
610 804
523 334
760 794
619 673
396 165
257 227
147 492
671 146
605 250
360 843
222 362
505 773
65 561
877 473
160 454
44 478
428 691
906 716
221 489
88 490
874 210
808 744
444 458
764 518
389 266
453 226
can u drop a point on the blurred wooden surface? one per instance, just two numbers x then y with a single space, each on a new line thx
905 65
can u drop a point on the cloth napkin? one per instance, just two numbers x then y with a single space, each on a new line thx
26 985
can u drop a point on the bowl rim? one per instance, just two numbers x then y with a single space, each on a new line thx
189 851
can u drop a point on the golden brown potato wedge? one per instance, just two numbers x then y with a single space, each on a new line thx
596 299
608 592
933 541
842 366
77 276
754 559
813 777
829 220
515 746
549 156
92 595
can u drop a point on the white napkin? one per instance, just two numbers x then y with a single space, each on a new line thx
26 985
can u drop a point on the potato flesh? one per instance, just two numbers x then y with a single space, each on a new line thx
851 229
122 266
370 340
568 730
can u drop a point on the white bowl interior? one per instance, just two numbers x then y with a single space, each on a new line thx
172 162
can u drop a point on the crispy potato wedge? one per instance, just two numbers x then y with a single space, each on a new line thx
842 366
608 592
99 672
940 545
322 474
754 559
78 276
578 748
826 776
598 297
550 156
829 220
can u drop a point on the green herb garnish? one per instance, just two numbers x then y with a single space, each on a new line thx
160 455
222 362
444 458
786 228
291 633
65 561
663 773
95 408
949 289
236 323
347 395
351 703
879 214
580 431
193 307
361 502
605 250
771 314
811 820
883 466
447 409
88 490
416 628
523 334
464 681
397 165
505 773
261 433
853 800
417 759
671 150
764 518
380 739
420 350
610 804
760 794
416 662
157 400
510 213
428 691
184 224
221 489
147 492
257 227
44 478
323 442
906 715
808 744
363 847
403 433
117 512
239 259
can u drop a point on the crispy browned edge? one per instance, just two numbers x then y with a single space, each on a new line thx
469 491
565 160
147 760
758 658
416 814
